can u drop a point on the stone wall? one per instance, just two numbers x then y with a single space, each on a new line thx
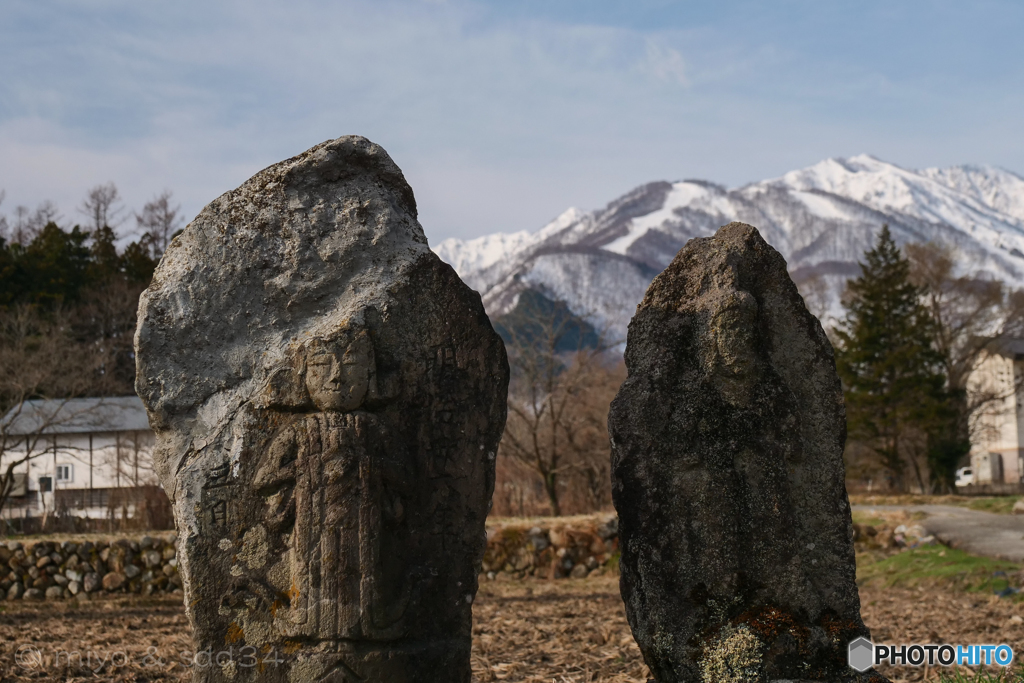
551 548
548 548
55 570
540 548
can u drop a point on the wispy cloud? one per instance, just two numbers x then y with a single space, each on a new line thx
500 117
666 63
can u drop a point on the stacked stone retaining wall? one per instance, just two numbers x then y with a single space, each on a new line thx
540 548
61 570
552 548
549 548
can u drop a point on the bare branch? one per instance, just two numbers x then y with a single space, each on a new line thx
557 411
159 221
102 205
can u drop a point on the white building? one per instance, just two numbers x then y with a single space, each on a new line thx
89 457
997 444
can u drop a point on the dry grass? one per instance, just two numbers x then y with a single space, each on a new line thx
524 631
998 504
889 518
900 615
126 639
576 630
543 631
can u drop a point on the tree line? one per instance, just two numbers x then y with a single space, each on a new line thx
915 330
915 333
69 293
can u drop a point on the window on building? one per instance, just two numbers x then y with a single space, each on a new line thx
64 473
45 484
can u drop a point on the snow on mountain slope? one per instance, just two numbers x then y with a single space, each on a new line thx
681 194
999 189
821 218
468 256
938 196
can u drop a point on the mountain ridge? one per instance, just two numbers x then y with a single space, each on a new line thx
821 218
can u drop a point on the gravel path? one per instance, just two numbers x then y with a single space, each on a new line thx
980 533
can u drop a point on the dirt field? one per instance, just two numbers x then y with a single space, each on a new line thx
528 631
577 631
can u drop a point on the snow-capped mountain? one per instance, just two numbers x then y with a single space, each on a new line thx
820 218
469 256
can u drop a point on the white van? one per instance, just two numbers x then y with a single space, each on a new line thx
964 476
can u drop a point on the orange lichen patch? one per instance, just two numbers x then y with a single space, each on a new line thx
267 649
293 592
770 622
234 634
839 630
292 646
274 607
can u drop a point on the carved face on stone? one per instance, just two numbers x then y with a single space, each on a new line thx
735 357
339 371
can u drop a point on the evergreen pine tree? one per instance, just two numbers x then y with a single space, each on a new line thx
9 282
136 263
56 264
892 375
104 261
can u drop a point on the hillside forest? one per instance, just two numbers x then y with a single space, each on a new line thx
68 294
915 328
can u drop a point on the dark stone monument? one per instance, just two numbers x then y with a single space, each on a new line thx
727 442
327 397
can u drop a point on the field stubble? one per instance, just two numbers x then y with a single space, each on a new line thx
524 631
534 630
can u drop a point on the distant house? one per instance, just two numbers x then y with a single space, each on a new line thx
95 457
997 449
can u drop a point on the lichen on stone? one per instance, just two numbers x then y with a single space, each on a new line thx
727 472
735 656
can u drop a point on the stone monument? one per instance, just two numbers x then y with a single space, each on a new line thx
727 473
327 397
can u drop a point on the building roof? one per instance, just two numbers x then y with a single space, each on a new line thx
1010 347
77 416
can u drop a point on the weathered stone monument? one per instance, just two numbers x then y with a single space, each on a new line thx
328 398
727 441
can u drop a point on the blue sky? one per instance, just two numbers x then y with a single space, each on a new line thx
502 114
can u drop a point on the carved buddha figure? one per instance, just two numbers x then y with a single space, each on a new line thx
340 374
325 482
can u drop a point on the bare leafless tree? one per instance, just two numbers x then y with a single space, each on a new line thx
3 218
159 221
586 430
557 409
102 205
38 361
19 231
974 316
106 318
27 224
45 213
815 291
135 480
